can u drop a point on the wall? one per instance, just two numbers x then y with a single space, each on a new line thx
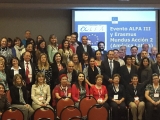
14 22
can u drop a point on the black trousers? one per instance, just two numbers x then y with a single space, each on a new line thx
150 110
118 110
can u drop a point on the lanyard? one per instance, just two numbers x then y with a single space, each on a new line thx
100 92
41 89
135 91
115 88
155 89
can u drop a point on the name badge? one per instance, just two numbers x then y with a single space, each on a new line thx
115 97
99 100
156 94
136 98
30 76
41 98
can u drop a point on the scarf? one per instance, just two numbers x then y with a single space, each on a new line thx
18 51
21 99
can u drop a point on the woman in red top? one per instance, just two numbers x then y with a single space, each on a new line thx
61 90
99 92
79 89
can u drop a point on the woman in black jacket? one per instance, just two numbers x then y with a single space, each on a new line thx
15 68
57 65
116 95
19 97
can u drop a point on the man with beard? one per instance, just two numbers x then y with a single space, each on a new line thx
101 47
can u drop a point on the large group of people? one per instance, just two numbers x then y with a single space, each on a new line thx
39 75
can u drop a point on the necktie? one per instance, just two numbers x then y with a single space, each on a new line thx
27 73
111 67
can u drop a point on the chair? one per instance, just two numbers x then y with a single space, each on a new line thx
70 112
62 103
12 113
44 113
97 112
76 118
9 96
86 103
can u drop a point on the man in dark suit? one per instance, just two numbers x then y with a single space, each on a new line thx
101 47
29 72
145 47
70 72
84 48
109 67
152 57
156 66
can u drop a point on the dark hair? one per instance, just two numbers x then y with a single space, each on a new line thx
76 34
29 41
66 36
96 52
38 46
16 39
54 61
154 74
84 36
135 60
63 44
12 60
157 54
100 42
3 86
11 41
116 75
109 51
133 47
141 64
126 57
27 31
115 50
134 75
77 82
37 38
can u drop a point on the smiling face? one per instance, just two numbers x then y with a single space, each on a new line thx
15 62
41 79
58 58
4 42
18 81
145 62
80 77
18 42
98 55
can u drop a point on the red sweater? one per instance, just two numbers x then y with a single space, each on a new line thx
98 93
75 92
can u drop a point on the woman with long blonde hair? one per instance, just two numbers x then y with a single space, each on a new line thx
44 67
40 92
